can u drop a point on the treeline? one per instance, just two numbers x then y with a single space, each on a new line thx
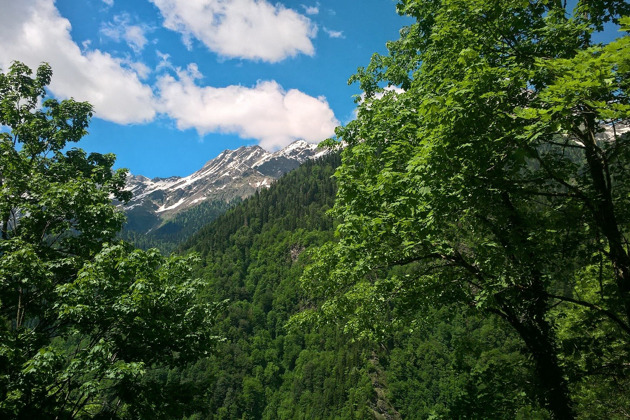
252 255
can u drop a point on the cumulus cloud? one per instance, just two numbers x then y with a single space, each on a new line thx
249 29
32 31
265 112
109 2
121 29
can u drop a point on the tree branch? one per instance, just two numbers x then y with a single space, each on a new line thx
589 305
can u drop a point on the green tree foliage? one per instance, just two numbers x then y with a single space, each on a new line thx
496 178
456 364
254 255
82 318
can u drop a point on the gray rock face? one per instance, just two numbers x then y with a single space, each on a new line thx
232 174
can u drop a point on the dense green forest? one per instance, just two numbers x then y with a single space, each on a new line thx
463 255
494 177
254 256
171 233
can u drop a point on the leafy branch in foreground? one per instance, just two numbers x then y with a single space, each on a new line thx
497 178
82 317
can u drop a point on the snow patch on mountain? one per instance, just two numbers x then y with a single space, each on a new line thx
174 206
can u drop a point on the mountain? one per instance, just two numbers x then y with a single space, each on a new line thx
170 209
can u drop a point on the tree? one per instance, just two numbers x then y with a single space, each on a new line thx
82 317
495 175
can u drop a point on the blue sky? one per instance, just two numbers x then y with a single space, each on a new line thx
175 82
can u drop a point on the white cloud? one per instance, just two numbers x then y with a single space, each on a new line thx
265 112
378 95
311 10
249 29
121 30
334 34
165 61
134 35
395 90
32 31
142 70
109 2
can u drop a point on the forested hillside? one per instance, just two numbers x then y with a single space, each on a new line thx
462 252
168 236
163 213
444 365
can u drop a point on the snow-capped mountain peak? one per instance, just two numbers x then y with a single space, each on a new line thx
233 173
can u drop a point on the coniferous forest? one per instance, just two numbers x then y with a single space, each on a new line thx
461 251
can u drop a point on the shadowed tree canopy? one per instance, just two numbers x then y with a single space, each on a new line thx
496 176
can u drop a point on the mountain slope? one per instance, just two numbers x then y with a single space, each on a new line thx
253 257
164 211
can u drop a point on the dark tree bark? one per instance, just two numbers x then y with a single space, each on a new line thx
604 211
537 334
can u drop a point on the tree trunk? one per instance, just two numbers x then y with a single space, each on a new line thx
533 328
526 311
604 212
555 395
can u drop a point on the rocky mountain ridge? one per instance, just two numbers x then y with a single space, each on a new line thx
233 174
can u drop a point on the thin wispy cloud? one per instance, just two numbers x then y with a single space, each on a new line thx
121 29
164 61
333 34
311 10
246 29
